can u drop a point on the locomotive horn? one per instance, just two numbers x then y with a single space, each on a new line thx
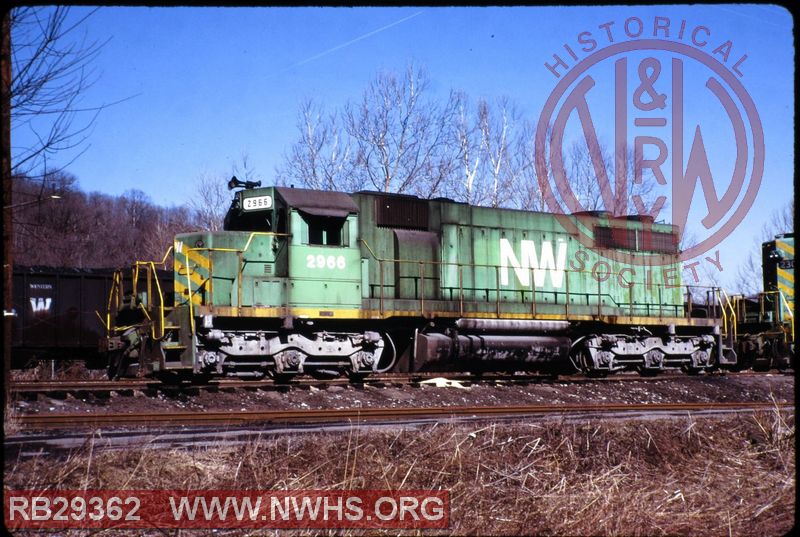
236 183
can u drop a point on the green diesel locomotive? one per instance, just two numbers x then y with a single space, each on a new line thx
764 326
329 283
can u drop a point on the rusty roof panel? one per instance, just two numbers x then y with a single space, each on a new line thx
318 202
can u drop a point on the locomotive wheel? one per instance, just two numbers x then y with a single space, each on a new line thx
587 364
691 370
357 378
282 378
201 379
174 378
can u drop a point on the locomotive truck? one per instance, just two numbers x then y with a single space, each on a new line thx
330 283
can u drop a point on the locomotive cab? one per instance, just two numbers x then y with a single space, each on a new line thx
273 291
324 256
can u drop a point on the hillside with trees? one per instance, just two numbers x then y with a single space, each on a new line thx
89 229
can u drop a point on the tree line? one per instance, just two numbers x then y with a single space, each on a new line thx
89 229
399 138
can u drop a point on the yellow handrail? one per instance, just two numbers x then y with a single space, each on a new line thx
785 303
151 266
189 288
246 247
116 280
729 306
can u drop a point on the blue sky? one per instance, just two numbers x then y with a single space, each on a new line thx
207 85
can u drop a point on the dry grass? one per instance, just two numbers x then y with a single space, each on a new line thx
731 476
47 370
11 423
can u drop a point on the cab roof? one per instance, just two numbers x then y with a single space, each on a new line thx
318 202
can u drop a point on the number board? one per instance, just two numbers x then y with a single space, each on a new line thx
256 203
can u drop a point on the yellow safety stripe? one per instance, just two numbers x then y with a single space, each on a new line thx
198 258
787 290
196 277
180 289
786 275
786 247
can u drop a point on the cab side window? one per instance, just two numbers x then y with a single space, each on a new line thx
326 230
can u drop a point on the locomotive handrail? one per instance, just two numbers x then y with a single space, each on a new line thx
163 261
116 284
246 246
152 275
189 288
152 272
239 268
785 303
720 294
781 303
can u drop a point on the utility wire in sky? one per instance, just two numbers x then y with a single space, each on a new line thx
348 43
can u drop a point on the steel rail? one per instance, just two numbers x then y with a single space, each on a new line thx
386 378
371 414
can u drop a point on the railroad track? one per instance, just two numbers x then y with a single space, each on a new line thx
350 415
97 386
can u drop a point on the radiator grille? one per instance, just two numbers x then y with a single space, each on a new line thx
401 212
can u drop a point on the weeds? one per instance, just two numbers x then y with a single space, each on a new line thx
731 476
49 370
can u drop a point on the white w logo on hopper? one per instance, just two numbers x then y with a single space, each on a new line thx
41 304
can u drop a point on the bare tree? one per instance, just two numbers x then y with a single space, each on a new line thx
402 141
212 198
584 167
51 71
749 275
526 190
45 70
498 126
90 230
321 157
165 225
210 202
467 138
